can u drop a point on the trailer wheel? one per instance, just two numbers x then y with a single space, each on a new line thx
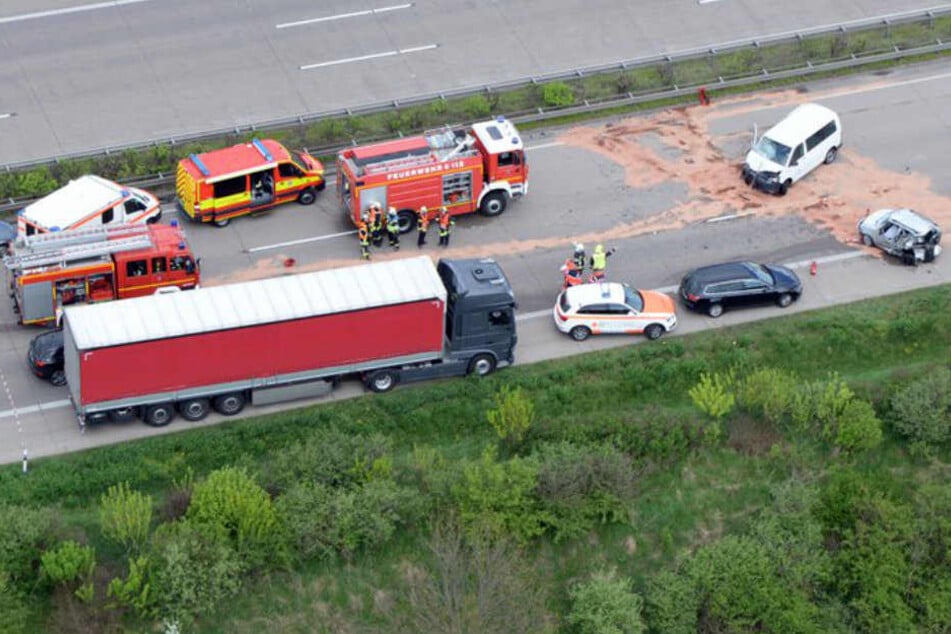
159 415
229 404
493 204
482 365
194 409
382 380
407 220
307 197
123 415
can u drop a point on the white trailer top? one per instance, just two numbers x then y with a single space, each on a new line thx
252 303
74 201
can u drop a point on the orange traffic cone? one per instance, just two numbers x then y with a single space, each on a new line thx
813 268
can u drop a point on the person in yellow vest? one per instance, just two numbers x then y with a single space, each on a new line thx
363 234
422 226
599 263
445 227
393 227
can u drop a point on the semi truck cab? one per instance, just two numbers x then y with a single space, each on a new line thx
480 314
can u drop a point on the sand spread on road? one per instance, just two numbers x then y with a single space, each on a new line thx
833 197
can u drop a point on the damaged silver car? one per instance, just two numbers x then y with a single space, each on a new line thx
903 234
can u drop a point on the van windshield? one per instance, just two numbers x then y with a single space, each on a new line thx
769 149
299 161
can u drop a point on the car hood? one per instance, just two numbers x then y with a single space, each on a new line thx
655 302
759 163
785 278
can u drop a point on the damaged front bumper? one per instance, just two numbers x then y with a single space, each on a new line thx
763 181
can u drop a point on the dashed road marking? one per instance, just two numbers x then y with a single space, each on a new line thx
344 16
67 10
361 58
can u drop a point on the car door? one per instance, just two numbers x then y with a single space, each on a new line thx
798 164
756 291
619 318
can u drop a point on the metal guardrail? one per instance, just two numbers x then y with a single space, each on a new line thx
763 74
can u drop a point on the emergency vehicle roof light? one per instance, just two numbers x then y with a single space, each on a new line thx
125 192
54 229
181 246
514 140
263 150
500 119
174 222
201 166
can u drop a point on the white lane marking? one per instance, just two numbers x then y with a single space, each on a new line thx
55 12
7 115
41 407
896 84
706 1
849 255
728 217
343 16
361 58
545 145
301 241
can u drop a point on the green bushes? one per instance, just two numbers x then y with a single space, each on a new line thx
513 415
921 411
125 516
605 604
70 565
557 94
22 537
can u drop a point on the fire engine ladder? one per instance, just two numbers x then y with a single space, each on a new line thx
403 161
59 248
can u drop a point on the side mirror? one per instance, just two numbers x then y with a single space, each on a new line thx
755 136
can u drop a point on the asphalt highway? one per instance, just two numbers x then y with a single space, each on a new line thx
667 194
78 75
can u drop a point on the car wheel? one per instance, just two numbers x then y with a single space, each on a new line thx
221 223
307 197
382 380
493 204
229 404
482 365
867 240
580 333
831 154
58 377
784 188
654 331
784 300
123 415
194 409
158 415
715 310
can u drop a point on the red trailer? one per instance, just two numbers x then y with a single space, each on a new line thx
286 337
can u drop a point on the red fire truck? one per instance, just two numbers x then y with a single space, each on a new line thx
51 270
481 168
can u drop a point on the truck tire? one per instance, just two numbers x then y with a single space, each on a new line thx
229 404
194 409
482 365
382 380
123 415
493 204
407 220
159 415
307 197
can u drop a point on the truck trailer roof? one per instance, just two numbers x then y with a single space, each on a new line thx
251 303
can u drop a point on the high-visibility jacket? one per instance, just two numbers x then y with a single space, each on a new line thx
579 259
393 223
422 222
363 234
445 222
599 261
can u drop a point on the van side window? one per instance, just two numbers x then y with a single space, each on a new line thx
289 170
796 155
824 133
136 268
158 265
231 186
108 215
182 263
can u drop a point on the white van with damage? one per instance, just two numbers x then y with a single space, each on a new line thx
809 136
86 202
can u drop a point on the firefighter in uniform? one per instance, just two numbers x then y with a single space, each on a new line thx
363 233
393 227
422 226
599 263
376 224
579 257
445 227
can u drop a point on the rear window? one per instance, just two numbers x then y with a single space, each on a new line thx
563 302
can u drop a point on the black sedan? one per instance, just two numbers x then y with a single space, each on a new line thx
45 357
712 289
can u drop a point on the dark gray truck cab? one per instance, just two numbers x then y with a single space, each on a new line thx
480 326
